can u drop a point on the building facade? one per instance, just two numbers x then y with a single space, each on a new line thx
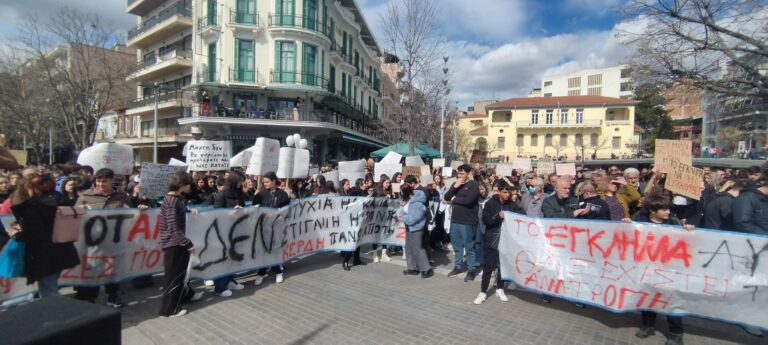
608 82
242 69
564 127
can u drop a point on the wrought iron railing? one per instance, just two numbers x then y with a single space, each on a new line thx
182 8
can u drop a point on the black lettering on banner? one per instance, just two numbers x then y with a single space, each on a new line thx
119 218
259 229
233 240
717 252
215 227
756 256
89 239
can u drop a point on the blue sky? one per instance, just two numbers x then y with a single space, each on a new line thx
499 48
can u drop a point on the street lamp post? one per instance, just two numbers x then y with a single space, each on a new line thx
442 109
154 124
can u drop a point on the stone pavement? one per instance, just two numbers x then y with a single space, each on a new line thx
319 303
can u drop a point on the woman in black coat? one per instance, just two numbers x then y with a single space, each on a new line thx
34 205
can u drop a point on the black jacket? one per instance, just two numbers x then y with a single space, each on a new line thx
644 216
750 211
465 206
719 212
598 209
275 199
554 207
229 199
493 222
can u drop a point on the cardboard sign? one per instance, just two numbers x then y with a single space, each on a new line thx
414 161
522 165
447 171
352 170
438 163
411 170
504 169
293 163
332 176
117 157
385 168
392 158
545 167
425 170
396 187
685 180
265 157
155 178
668 150
565 169
205 155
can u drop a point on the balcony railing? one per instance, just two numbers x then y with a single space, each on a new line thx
306 23
182 9
617 123
207 22
207 77
299 78
243 18
150 100
555 124
166 56
244 76
339 50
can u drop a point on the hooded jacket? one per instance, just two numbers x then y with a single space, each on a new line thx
750 211
719 212
415 211
492 221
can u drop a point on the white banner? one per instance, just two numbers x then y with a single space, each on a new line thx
119 244
638 266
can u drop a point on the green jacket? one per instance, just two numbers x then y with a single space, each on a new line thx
553 207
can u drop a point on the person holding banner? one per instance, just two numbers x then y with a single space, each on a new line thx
176 247
270 196
493 218
383 189
360 189
229 196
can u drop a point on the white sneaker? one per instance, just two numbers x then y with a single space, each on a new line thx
258 280
225 293
197 296
279 279
502 296
208 283
375 255
180 313
235 286
480 298
384 256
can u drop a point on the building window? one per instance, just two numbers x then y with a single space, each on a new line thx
549 117
285 11
331 78
548 140
508 117
211 75
593 140
616 143
534 140
579 116
245 12
310 14
574 82
595 79
563 139
343 84
574 92
547 83
578 139
563 116
594 91
626 86
548 94
245 61
625 73
535 117
286 62
520 138
308 65
500 143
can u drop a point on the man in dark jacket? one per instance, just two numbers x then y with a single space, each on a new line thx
750 210
592 207
560 204
493 218
464 197
719 212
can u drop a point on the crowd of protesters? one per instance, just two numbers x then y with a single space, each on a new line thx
462 214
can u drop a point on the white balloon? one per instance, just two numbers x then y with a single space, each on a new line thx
296 138
303 144
289 140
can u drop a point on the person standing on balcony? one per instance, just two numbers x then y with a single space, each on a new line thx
205 104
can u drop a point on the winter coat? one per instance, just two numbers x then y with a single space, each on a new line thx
554 207
229 199
94 198
627 195
42 257
415 212
493 222
598 209
465 205
750 211
275 199
719 212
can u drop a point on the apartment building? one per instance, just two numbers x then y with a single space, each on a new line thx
242 69
568 127
608 82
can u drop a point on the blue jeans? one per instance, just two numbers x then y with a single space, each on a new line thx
222 284
463 238
479 252
48 286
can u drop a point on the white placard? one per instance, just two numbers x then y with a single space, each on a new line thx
293 163
205 155
447 171
545 167
392 157
522 164
566 169
351 170
385 168
332 176
425 180
504 170
117 157
176 162
156 177
265 157
241 159
425 170
438 162
413 161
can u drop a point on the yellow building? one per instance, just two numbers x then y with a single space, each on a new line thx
566 127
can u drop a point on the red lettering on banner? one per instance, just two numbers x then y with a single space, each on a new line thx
555 285
708 284
657 300
686 275
577 283
592 243
517 228
532 278
624 272
551 235
580 263
660 273
141 226
528 259
537 229
642 248
624 291
302 247
400 232
574 231
612 301
84 267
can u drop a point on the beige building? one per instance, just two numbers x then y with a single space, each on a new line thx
566 127
609 82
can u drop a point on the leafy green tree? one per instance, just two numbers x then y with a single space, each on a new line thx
651 114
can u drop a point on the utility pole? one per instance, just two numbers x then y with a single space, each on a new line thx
442 110
154 120
50 146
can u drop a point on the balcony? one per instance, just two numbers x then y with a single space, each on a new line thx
142 7
172 61
242 76
207 77
569 124
243 20
299 79
208 28
610 123
146 105
167 23
299 24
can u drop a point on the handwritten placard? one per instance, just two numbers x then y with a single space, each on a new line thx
396 187
265 157
565 169
685 180
205 155
545 166
117 157
156 177
352 170
504 169
522 165
438 163
668 150
411 170
332 176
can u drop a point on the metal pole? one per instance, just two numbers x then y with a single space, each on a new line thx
154 135
442 129
50 146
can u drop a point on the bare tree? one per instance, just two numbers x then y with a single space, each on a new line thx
693 40
410 30
464 143
83 74
601 143
559 146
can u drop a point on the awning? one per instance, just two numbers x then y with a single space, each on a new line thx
361 141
